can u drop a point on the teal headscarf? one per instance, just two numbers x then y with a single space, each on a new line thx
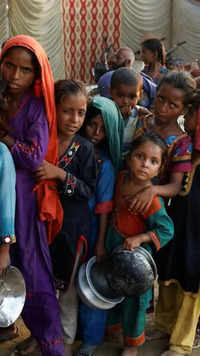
114 127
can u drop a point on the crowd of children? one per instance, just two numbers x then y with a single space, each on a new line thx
91 176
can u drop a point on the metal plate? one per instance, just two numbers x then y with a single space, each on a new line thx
12 296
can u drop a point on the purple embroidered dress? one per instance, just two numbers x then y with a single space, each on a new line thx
31 253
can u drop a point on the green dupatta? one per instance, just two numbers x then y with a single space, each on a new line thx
114 127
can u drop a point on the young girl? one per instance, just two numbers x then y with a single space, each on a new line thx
32 137
76 176
103 126
171 101
153 55
178 308
152 230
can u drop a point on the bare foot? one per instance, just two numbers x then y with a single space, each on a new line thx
129 351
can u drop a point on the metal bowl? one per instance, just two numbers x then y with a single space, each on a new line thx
132 272
12 296
98 277
87 292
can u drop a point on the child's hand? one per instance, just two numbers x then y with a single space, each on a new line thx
100 252
132 242
141 201
4 258
126 111
47 171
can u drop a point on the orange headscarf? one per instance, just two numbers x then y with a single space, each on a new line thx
49 204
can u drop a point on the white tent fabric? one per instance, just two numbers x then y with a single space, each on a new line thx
142 17
40 19
186 27
4 24
176 20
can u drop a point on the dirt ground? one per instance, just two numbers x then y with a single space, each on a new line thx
153 348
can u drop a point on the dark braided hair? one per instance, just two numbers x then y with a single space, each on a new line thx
156 46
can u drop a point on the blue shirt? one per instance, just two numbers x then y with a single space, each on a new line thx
149 88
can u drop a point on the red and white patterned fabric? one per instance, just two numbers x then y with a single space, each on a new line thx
85 24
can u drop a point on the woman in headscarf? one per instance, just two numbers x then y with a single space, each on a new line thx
104 127
178 308
31 136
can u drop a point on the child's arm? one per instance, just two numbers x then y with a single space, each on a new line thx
4 258
180 162
143 199
132 242
159 225
100 250
103 197
82 187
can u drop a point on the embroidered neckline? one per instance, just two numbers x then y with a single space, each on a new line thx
69 154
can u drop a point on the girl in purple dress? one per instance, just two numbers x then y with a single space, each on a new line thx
31 137
76 179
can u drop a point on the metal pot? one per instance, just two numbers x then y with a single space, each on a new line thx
12 296
87 291
132 272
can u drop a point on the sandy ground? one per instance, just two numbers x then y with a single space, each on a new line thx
153 348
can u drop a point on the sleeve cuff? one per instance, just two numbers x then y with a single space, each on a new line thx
7 240
105 207
155 239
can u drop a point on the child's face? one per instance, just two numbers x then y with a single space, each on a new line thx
18 70
145 161
147 55
126 97
190 122
71 113
95 130
168 103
